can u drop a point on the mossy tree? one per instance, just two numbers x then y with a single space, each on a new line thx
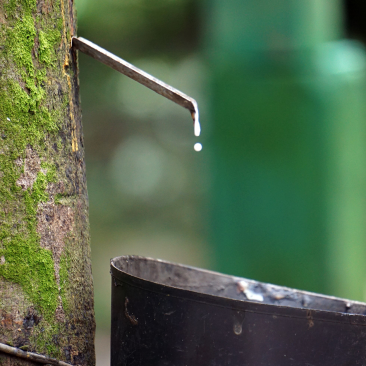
46 294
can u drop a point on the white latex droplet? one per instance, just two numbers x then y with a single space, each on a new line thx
197 146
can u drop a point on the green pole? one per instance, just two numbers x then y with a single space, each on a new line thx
287 145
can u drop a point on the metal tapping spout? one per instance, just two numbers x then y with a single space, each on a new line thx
142 77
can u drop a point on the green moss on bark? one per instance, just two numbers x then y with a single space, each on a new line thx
20 43
47 42
25 120
26 262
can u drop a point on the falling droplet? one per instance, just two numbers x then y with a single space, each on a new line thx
197 146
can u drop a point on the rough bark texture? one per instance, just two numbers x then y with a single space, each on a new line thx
46 293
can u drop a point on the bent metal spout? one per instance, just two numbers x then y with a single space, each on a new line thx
142 77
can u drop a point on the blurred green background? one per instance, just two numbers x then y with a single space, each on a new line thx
278 192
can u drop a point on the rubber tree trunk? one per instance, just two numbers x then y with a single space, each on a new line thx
46 291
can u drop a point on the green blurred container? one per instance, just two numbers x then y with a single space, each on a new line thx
288 140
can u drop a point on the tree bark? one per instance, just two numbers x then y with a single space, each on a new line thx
46 291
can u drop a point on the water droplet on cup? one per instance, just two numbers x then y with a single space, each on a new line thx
237 328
